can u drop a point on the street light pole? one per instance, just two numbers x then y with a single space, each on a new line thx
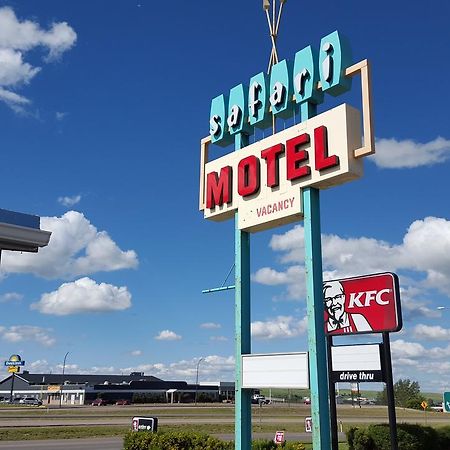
196 380
62 384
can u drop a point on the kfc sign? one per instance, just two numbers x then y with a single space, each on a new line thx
263 180
368 304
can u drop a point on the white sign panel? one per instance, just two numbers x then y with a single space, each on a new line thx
356 357
276 370
263 180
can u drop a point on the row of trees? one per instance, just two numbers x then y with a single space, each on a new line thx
407 395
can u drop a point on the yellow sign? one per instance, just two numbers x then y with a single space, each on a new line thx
53 388
424 405
13 369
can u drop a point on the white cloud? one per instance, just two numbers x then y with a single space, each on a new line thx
136 353
69 201
425 249
210 326
21 333
167 335
212 367
434 332
15 101
404 349
280 327
84 296
16 39
60 115
10 297
218 338
76 248
394 154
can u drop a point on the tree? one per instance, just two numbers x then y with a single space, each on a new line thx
406 393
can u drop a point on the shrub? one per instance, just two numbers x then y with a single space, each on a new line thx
443 438
410 437
351 436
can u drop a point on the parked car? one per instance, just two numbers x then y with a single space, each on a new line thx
123 401
99 402
31 401
307 401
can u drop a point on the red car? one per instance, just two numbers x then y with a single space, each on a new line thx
123 402
99 402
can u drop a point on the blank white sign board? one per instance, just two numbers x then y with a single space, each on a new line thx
356 357
275 370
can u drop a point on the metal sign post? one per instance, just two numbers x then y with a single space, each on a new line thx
243 411
390 391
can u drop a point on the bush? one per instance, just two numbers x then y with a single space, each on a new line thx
443 438
180 440
410 437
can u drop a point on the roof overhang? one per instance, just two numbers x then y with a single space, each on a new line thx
21 232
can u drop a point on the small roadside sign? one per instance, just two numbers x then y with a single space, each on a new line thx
308 424
424 405
446 402
279 437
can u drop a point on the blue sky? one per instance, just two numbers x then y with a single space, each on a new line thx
103 105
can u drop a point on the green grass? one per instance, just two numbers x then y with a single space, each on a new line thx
36 433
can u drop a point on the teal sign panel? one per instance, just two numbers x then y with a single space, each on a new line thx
334 57
237 119
446 402
281 90
258 101
217 122
306 76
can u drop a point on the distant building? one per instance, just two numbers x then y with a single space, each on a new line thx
82 389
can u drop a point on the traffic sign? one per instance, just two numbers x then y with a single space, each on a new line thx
279 437
424 405
308 424
446 402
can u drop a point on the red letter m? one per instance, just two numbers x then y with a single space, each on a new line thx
219 189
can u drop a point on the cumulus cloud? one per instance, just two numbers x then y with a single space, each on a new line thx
279 327
69 201
76 248
10 297
425 249
218 338
136 353
16 39
21 333
433 332
212 367
83 296
210 326
395 154
167 335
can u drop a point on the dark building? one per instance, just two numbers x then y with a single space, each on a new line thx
80 389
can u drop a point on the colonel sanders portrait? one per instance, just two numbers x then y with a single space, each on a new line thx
339 320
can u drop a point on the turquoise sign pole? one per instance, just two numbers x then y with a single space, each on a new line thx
318 369
243 412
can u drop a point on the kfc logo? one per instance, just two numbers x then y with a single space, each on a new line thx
369 304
